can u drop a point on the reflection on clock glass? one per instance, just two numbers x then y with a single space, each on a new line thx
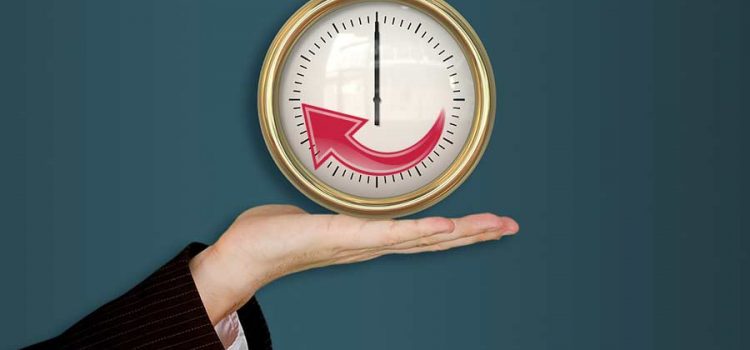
376 99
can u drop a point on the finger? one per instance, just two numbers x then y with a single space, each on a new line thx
387 233
359 257
272 210
445 245
468 230
466 226
439 246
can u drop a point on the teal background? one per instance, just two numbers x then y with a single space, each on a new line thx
129 128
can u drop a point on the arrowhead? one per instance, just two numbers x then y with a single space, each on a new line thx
328 130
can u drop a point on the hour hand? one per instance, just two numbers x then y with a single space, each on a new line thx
376 98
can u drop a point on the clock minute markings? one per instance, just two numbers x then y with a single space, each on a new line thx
376 98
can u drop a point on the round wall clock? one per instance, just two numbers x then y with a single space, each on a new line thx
376 108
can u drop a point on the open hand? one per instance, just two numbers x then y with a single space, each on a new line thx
271 241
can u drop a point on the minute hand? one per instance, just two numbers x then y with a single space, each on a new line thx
376 98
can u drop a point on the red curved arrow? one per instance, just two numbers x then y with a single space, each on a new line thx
332 135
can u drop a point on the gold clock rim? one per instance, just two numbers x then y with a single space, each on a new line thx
408 203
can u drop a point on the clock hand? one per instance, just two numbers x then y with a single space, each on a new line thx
376 98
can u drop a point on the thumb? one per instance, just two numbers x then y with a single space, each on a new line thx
272 210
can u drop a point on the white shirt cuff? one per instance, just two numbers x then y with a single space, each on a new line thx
231 334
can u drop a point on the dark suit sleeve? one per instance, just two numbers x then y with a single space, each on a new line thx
163 311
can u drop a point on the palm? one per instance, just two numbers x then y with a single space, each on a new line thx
275 232
271 241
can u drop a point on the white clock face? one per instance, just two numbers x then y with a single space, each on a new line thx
376 99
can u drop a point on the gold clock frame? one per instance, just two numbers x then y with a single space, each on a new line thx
425 196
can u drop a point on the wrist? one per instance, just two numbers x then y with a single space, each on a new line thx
221 288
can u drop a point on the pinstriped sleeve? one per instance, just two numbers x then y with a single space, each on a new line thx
164 311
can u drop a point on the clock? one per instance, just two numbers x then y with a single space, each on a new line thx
376 108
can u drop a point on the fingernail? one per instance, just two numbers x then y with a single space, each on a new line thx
447 226
492 226
447 230
511 228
